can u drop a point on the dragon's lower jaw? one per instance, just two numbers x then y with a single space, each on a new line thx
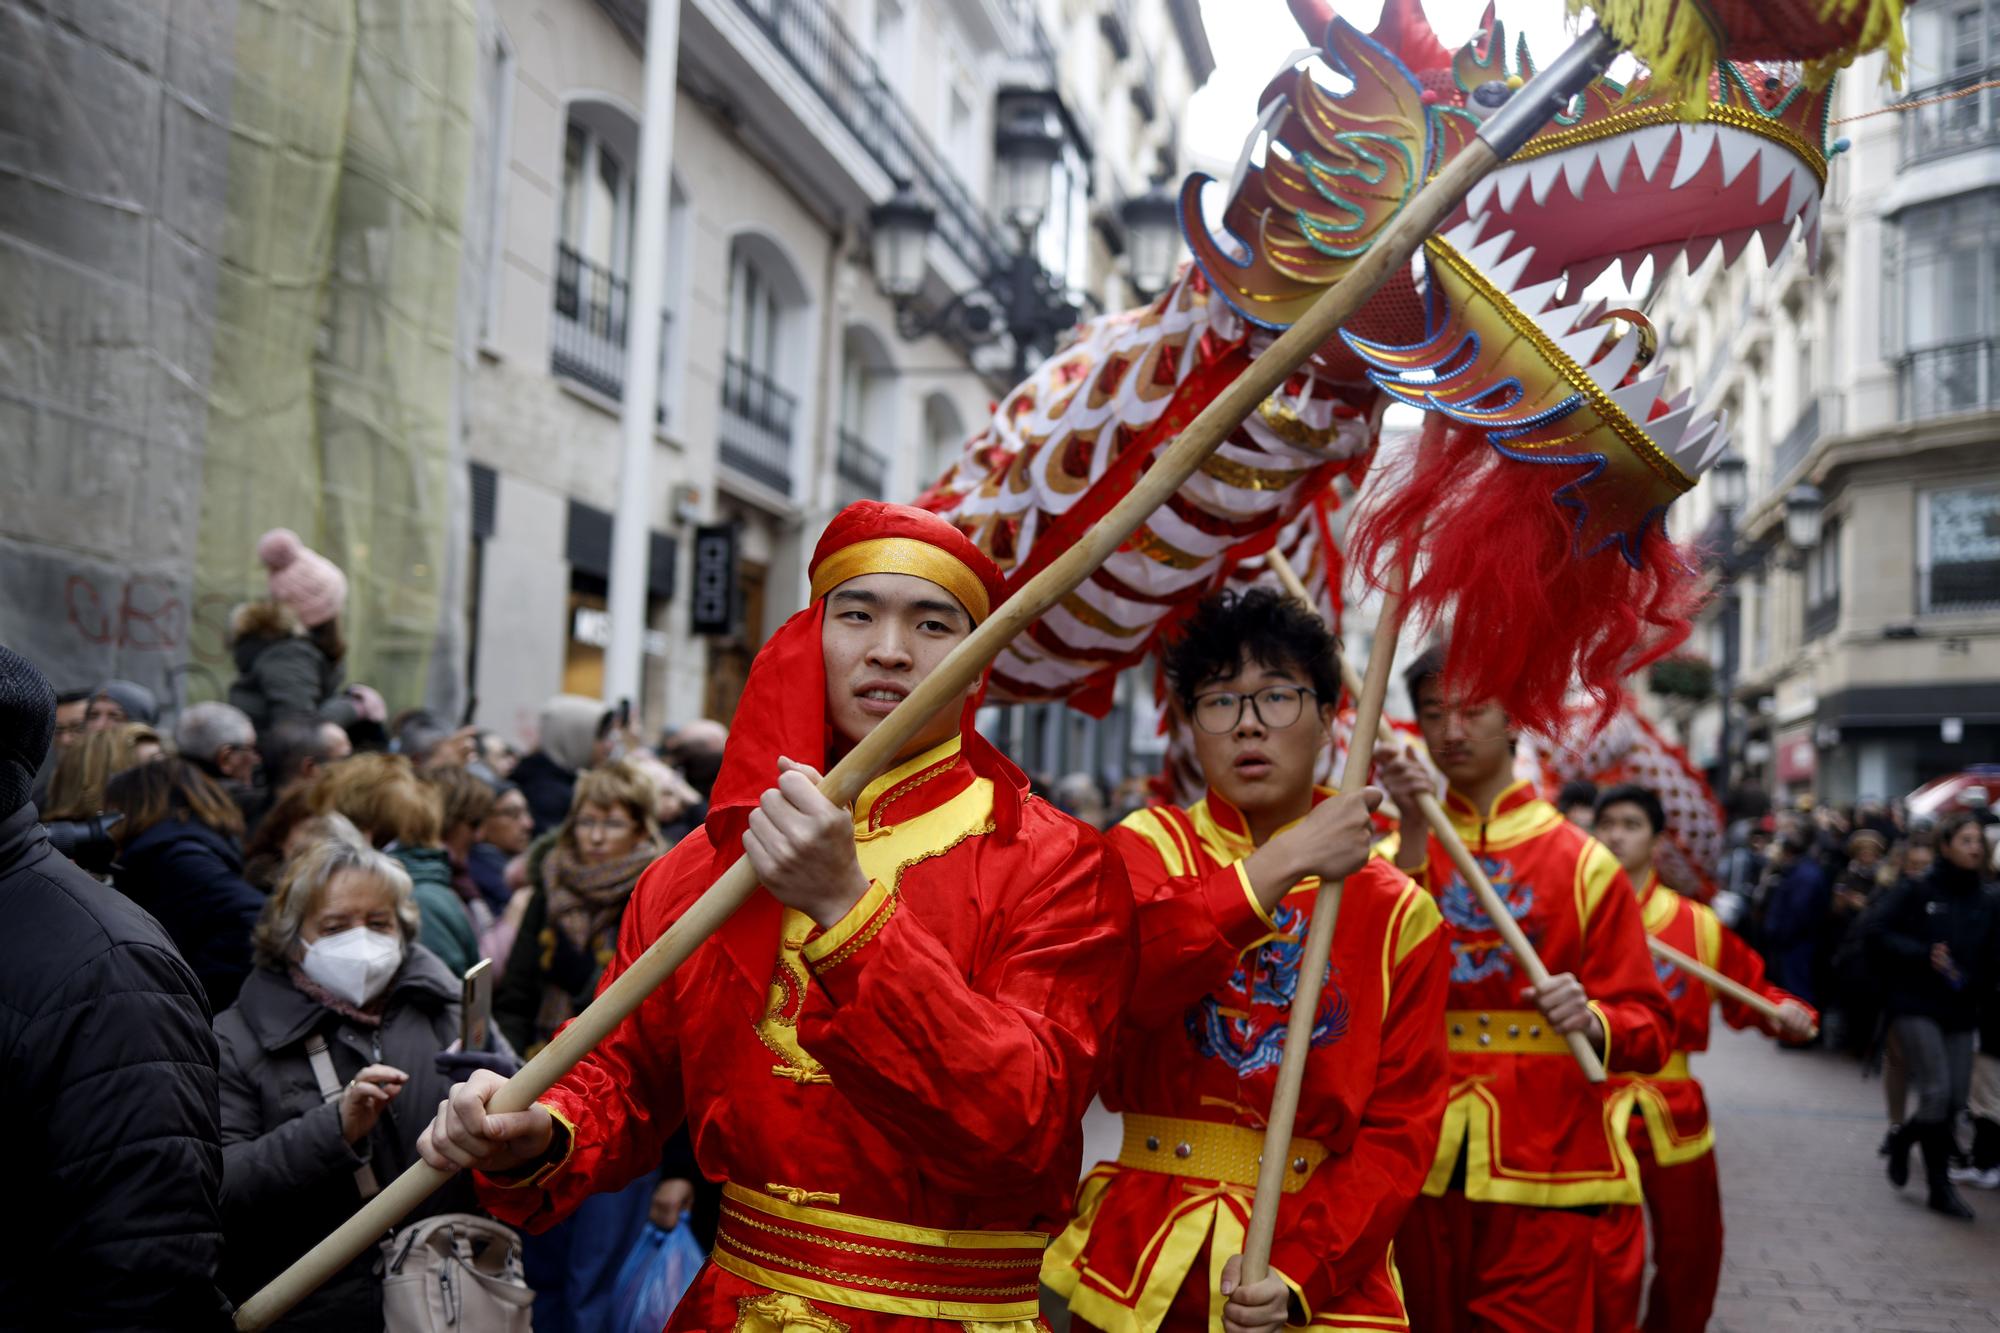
1655 191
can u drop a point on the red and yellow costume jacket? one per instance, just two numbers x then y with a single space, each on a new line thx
1530 1128
1197 1066
893 1103
1673 1113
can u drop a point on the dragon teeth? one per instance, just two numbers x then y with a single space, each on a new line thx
1610 368
1466 234
1650 144
1611 158
1512 182
1738 149
1804 192
1542 174
1696 141
1774 168
1481 194
1576 168
1533 300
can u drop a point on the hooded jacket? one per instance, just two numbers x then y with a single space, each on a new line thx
280 670
547 776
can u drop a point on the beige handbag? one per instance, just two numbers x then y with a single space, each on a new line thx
455 1272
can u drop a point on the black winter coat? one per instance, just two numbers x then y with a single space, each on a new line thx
113 1216
1947 906
190 878
288 1173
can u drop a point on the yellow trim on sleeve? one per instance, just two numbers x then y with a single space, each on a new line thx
847 935
1298 1292
1605 1023
1243 878
548 1168
843 930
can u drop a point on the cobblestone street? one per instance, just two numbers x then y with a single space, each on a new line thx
1817 1239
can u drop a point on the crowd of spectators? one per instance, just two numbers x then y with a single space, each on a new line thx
286 889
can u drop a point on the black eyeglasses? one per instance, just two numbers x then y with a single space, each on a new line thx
1276 706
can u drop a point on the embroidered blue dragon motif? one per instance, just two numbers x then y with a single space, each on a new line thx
1476 949
1243 1024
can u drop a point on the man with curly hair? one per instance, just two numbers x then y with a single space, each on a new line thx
1225 891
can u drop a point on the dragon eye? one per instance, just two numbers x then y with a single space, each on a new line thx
1488 97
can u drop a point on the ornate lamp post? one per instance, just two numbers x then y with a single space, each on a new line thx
1016 297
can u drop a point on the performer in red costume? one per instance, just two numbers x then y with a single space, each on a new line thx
1531 1152
1225 891
885 1057
1671 1135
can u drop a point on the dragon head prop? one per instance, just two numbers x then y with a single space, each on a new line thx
1551 421
1491 335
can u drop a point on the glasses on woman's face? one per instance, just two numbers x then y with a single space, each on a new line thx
1276 707
613 827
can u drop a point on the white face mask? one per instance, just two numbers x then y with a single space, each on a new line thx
354 964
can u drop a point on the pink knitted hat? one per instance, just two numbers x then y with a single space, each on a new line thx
301 577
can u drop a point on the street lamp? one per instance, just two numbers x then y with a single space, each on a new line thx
1152 238
901 228
1804 508
1730 480
1015 296
1026 147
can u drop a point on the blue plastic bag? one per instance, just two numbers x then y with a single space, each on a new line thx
654 1277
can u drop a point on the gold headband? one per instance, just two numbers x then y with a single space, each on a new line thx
903 555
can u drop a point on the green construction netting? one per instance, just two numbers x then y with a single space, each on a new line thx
332 384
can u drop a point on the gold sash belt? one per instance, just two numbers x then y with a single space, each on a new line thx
1203 1150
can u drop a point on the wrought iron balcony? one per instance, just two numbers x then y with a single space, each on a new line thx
1954 377
1821 417
1942 128
826 57
757 421
587 343
862 469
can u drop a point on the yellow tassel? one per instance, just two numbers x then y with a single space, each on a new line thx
1881 30
1672 38
1678 42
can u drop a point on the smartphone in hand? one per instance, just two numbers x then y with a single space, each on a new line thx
475 1014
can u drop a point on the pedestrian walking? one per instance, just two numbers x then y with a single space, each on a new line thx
1937 942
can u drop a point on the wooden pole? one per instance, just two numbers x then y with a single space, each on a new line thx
1259 380
1702 972
1454 846
1312 968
